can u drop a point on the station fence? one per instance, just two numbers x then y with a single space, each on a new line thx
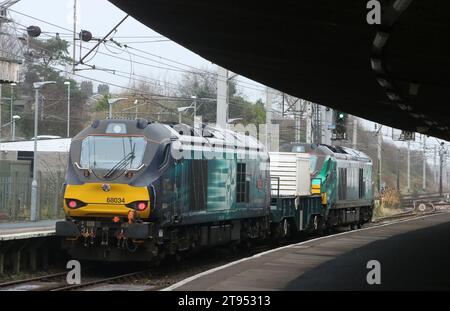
15 196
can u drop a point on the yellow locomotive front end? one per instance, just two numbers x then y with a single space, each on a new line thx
106 200
103 205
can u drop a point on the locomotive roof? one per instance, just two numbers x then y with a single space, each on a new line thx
182 132
338 152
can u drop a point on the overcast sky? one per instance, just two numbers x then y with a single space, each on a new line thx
99 17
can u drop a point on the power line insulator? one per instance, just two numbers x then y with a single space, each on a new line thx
85 35
34 31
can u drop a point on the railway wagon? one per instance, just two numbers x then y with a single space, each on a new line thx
293 205
137 190
343 177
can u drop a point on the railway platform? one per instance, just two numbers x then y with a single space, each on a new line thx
413 254
26 230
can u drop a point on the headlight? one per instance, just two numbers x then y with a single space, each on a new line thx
74 204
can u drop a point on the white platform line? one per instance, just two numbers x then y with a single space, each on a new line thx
26 235
199 275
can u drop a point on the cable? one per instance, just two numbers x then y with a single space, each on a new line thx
95 54
113 71
35 18
259 87
176 62
137 92
132 73
139 37
140 42
42 21
32 60
178 69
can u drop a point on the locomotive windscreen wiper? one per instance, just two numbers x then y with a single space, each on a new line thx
122 163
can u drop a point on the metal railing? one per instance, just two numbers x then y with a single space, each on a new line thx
15 197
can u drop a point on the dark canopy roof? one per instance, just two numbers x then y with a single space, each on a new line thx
321 50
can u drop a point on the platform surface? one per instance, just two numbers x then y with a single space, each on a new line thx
414 254
27 230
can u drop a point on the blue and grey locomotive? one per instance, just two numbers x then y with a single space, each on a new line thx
154 189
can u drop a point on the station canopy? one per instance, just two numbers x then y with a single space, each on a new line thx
396 73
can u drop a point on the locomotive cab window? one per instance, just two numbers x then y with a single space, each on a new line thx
165 158
312 163
105 152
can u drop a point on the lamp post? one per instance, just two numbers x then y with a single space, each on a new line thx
12 103
0 112
231 121
136 109
15 118
195 105
183 109
192 106
442 153
34 184
112 101
68 108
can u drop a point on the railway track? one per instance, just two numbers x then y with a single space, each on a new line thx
406 214
154 279
44 278
105 282
408 201
57 282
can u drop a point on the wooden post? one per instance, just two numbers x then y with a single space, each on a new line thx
44 258
16 262
33 262
2 265
58 195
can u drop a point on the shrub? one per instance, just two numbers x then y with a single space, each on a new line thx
391 199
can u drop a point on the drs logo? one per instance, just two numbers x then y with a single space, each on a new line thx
115 200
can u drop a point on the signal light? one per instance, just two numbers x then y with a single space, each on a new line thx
72 204
116 219
339 132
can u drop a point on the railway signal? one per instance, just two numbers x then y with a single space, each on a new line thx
407 135
340 131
